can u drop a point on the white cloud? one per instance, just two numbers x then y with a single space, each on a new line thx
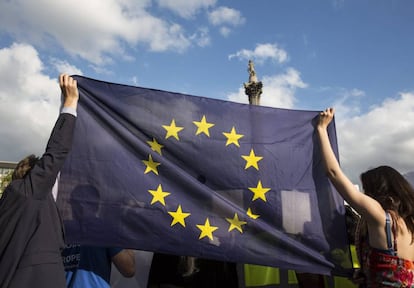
62 66
96 32
225 16
383 136
239 96
225 31
349 102
278 90
261 53
184 8
30 102
201 37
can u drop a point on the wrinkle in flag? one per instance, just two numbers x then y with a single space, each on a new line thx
195 176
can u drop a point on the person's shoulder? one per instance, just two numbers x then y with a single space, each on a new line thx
15 189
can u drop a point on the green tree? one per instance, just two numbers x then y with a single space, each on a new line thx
5 180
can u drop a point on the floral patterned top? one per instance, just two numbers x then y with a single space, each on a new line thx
383 268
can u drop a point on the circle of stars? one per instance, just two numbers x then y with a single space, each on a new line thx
179 216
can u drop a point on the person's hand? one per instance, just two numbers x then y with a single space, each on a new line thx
325 117
70 92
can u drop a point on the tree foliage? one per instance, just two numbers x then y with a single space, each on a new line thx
5 180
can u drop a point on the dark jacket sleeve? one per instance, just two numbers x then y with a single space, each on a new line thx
43 175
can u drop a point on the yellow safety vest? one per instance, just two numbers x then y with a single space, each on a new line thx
256 276
343 282
354 256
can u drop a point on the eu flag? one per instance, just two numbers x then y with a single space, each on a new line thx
194 176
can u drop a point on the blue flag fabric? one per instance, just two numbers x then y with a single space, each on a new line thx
185 175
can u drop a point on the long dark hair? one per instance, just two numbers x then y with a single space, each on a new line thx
392 191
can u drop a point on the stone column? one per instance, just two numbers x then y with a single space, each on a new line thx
253 88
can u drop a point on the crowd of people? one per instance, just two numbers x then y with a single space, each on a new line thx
33 251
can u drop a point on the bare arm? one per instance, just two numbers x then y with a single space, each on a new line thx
363 204
124 261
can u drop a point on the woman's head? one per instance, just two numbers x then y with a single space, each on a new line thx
390 189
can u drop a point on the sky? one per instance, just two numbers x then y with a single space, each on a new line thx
355 56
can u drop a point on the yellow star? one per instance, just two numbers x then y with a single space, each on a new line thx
155 146
206 230
251 160
259 191
235 223
251 215
151 165
172 130
233 137
178 216
158 195
203 126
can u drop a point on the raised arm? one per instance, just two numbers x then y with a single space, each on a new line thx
364 205
45 171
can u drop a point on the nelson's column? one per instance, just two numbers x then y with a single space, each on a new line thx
253 88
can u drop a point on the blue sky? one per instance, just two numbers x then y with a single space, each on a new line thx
353 55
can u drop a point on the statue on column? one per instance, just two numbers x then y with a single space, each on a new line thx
253 88
252 72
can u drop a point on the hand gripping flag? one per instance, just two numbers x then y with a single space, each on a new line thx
193 176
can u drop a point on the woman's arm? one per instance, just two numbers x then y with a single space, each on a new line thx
363 204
